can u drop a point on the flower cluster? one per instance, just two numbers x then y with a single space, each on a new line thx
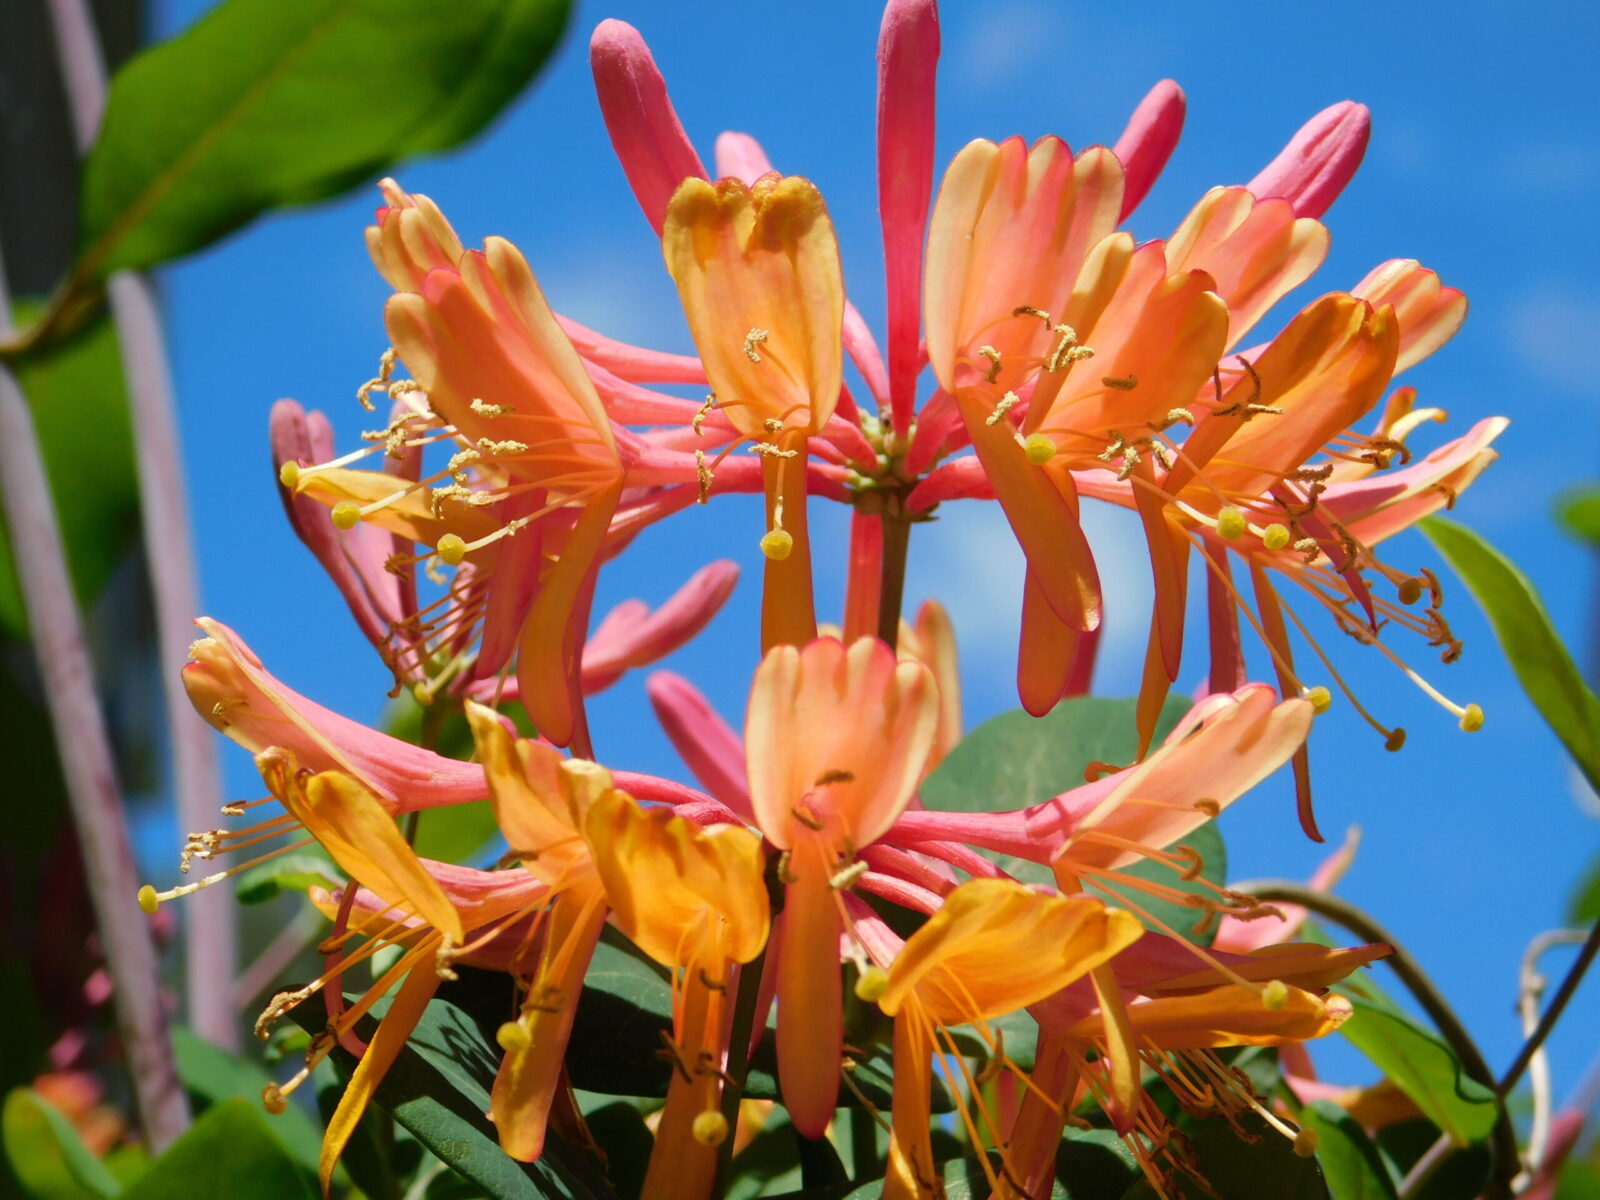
521 452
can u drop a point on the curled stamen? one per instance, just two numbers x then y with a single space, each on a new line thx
751 340
993 355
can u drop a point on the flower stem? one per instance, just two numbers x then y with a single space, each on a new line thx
1504 1136
210 939
744 1015
891 593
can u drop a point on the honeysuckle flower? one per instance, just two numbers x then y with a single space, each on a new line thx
695 900
837 740
993 947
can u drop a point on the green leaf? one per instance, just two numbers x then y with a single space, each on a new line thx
1537 655
1584 907
438 1090
80 410
1266 1168
1579 511
230 1151
265 103
1014 760
211 1075
1423 1067
45 1153
1090 1164
294 872
1462 1173
1350 1161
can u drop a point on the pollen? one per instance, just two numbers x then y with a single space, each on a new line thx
346 514
289 474
1471 719
513 1038
1230 523
1274 996
1275 536
777 544
1039 448
148 900
871 984
1320 698
710 1128
452 548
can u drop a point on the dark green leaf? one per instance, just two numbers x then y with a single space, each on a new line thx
1423 1067
211 1075
438 1090
294 872
1579 511
1090 1164
626 1141
1537 655
1264 1169
1013 760
264 103
1463 1173
230 1151
80 410
1351 1162
45 1153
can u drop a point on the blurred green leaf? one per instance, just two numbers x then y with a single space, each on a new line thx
1579 511
1423 1067
295 872
1584 908
1537 655
1264 1167
1462 1173
80 409
45 1153
229 1151
211 1075
265 103
1350 1161
1014 760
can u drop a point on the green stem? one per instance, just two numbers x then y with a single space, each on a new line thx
891 595
1504 1137
744 1016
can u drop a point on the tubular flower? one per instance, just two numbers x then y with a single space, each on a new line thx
694 900
837 740
758 271
995 946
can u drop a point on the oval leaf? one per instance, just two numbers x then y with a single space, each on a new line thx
264 103
1537 655
230 1151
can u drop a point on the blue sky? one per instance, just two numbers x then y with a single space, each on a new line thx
1484 164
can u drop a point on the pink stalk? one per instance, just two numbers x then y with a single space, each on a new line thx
864 583
1319 160
86 763
210 942
1148 141
908 56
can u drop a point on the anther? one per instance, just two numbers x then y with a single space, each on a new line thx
1230 523
1320 698
346 514
751 340
1275 536
484 409
841 880
1028 310
993 372
1275 995
513 1038
702 413
834 775
1210 807
452 548
1125 383
1039 448
1471 719
710 1128
1395 740
777 544
148 900
1001 408
871 984
703 475
772 425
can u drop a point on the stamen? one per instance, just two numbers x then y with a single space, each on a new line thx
484 409
751 340
1001 408
1124 384
993 356
702 413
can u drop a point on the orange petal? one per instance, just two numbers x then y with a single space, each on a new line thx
810 999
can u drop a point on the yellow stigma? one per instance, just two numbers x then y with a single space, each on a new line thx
272 1099
1275 995
1410 591
871 984
148 900
289 474
452 548
776 544
346 513
1039 448
513 1038
1275 536
1320 698
710 1128
1471 719
1230 523
1305 1143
